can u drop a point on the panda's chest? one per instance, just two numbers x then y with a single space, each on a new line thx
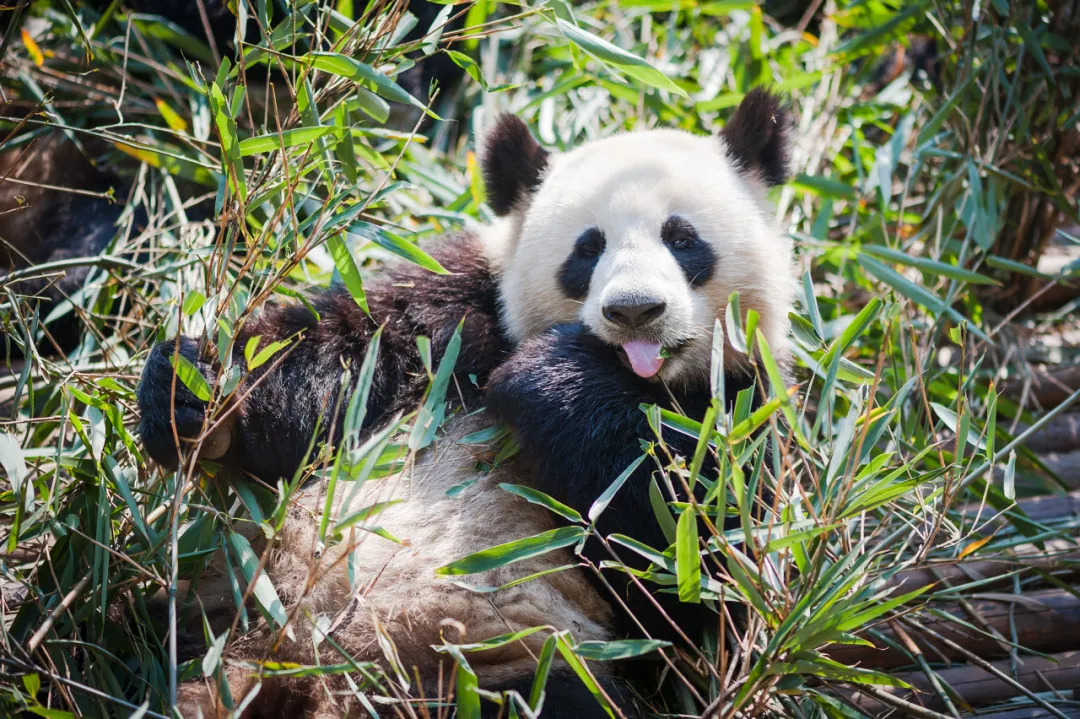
442 509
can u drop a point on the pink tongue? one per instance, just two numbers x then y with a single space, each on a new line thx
644 357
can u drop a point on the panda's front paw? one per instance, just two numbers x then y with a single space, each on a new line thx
566 370
160 409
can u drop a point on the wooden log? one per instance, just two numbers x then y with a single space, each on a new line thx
978 687
1048 388
1071 712
1060 555
1047 509
1061 434
1047 621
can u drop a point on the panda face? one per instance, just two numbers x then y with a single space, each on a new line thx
643 237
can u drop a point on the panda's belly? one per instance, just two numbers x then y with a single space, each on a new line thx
393 589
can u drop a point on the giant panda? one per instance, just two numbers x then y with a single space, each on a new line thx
595 292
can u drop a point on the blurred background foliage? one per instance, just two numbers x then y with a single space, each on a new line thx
934 209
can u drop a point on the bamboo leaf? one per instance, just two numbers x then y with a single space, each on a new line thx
688 558
516 551
190 375
627 62
346 267
539 498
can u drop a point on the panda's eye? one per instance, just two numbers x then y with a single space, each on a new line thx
678 234
590 244
694 254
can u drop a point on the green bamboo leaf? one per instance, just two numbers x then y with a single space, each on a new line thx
927 265
800 537
934 123
397 245
950 420
190 375
158 27
663 515
264 591
582 672
837 672
432 412
1009 487
32 682
627 62
346 267
516 551
265 354
864 617
230 145
688 557
824 187
500 641
604 499
618 649
543 670
644 550
736 333
852 331
286 138
345 66
363 515
1000 263
991 424
193 303
537 497
914 292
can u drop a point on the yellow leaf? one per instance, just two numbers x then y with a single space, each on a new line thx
974 546
171 117
476 181
150 158
33 49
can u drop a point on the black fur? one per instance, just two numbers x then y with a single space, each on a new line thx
758 136
513 164
576 272
39 225
695 257
276 422
565 697
576 412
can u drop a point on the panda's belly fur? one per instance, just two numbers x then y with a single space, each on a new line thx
396 587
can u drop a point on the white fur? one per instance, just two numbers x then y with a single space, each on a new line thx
627 186
396 590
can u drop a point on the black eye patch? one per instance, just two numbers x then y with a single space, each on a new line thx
577 270
694 255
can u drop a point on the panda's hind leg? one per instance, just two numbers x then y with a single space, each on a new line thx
565 697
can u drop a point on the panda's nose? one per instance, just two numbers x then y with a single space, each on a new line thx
634 315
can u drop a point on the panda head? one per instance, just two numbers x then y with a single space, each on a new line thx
644 236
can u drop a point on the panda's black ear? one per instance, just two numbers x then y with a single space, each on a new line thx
513 164
758 136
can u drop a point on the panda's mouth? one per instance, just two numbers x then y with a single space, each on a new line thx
645 358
